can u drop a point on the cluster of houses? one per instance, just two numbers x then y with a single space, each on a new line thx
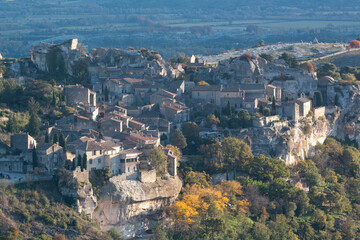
131 106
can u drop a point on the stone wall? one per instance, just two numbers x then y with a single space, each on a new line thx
148 176
319 112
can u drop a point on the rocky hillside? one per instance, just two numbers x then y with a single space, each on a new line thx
39 211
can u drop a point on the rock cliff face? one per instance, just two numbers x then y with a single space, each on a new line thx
131 206
289 142
348 126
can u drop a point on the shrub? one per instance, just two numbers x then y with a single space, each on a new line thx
114 234
307 129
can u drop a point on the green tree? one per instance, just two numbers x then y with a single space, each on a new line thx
319 219
212 120
318 99
273 106
79 162
47 137
267 169
290 60
55 138
236 153
62 142
200 179
34 158
177 139
74 164
228 109
267 57
56 63
244 118
158 160
262 43
106 93
306 232
190 130
84 161
261 232
34 125
159 233
53 101
12 125
329 69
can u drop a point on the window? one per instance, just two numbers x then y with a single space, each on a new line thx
128 169
100 151
90 161
99 160
94 152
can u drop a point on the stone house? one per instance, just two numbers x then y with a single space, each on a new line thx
22 141
177 87
129 160
14 163
100 154
76 94
207 94
143 141
51 156
161 96
156 123
82 122
135 125
272 91
111 126
175 112
302 107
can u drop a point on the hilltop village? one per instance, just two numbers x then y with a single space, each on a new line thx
126 113
132 101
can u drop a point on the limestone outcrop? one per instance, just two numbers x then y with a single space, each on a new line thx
348 126
289 142
258 70
76 186
132 206
71 51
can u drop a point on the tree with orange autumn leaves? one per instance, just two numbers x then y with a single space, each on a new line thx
199 203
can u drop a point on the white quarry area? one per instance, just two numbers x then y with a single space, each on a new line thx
300 50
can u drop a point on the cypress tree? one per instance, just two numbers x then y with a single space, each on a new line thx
62 142
273 106
74 164
47 137
79 162
106 93
55 138
34 125
54 99
84 161
34 158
